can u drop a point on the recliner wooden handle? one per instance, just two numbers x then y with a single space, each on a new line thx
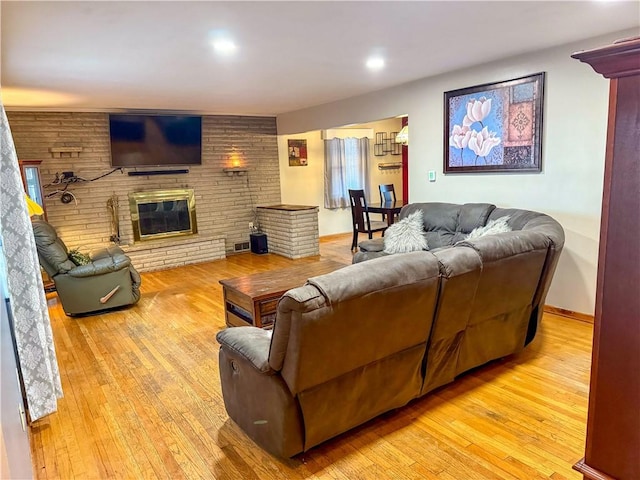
106 298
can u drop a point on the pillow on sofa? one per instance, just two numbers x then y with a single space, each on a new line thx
499 225
406 235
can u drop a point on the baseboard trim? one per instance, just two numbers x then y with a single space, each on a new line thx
590 473
563 312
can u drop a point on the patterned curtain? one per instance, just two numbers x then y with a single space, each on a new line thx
32 328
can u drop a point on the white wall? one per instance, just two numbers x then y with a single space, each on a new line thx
570 185
305 185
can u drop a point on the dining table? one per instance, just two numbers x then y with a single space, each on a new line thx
390 209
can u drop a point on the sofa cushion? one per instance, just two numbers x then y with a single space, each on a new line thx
474 215
406 235
440 221
362 313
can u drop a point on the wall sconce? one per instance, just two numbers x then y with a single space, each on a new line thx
236 167
231 171
403 136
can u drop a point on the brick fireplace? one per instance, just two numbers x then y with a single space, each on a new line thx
225 203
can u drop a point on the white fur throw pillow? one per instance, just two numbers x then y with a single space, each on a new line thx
499 225
406 235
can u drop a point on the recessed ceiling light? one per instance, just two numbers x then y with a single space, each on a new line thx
375 63
224 46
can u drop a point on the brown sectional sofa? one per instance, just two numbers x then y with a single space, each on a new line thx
370 337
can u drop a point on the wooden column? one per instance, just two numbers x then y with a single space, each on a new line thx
613 425
405 165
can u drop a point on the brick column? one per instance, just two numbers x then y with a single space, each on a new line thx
292 230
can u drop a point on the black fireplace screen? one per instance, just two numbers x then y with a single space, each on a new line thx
164 217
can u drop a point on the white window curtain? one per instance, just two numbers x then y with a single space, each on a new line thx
31 324
346 166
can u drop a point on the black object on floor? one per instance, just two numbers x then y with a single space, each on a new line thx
259 243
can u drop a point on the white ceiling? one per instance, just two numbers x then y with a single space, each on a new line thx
291 55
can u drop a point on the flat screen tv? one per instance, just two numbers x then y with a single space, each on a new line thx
155 140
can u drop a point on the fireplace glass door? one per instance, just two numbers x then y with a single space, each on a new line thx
162 214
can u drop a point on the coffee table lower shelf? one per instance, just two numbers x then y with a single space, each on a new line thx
253 299
241 310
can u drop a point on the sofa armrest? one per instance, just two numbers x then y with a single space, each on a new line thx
250 343
101 266
255 396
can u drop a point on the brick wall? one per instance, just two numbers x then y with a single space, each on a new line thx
162 254
224 204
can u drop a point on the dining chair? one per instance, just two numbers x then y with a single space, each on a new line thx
387 194
360 218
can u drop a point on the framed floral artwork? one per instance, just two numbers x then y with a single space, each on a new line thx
496 127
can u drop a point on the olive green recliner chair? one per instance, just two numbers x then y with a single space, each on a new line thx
107 281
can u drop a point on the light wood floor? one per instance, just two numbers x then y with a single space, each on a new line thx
142 399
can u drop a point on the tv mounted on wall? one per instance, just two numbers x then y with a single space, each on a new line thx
155 140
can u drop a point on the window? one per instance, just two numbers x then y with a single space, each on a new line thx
346 166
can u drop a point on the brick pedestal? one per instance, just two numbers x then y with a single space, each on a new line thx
292 230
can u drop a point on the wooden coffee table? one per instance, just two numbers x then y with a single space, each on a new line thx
253 299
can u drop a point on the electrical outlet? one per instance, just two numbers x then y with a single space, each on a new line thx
251 225
432 175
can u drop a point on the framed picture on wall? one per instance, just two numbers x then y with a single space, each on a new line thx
297 152
496 127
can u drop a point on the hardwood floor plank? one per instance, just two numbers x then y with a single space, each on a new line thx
143 399
519 471
380 451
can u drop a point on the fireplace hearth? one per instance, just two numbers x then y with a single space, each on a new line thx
163 214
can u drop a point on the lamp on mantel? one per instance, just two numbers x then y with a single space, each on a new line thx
403 136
